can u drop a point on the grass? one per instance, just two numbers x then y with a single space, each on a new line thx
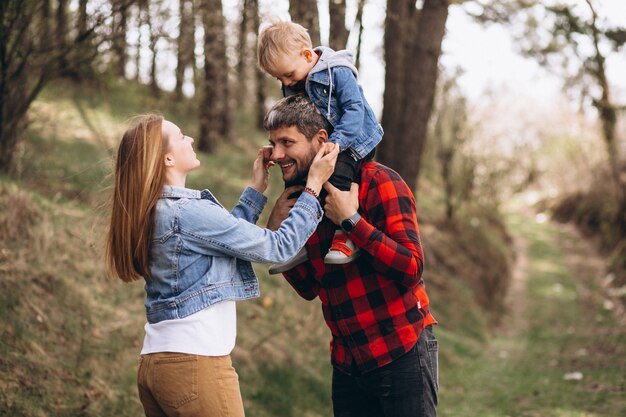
563 329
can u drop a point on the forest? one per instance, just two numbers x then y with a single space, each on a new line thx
520 186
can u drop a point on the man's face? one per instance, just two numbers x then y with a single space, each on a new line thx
293 152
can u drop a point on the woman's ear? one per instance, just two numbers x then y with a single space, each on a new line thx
168 159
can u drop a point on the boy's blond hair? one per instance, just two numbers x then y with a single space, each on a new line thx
278 39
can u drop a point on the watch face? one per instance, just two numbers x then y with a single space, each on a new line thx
347 225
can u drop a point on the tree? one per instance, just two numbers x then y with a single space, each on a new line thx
451 132
29 60
574 42
258 72
119 29
243 49
185 44
338 36
247 67
305 12
215 123
412 47
359 21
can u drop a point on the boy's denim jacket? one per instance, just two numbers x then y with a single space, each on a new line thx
332 86
201 254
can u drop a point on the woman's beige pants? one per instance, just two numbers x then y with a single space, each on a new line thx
182 385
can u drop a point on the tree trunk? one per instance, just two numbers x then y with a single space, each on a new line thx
359 21
608 116
399 31
62 30
185 45
154 37
46 13
305 12
338 32
120 26
142 11
259 73
61 23
243 58
403 148
214 107
82 16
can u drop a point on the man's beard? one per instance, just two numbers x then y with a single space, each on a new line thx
302 173
299 179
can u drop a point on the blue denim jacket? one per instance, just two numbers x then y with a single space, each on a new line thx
332 86
201 254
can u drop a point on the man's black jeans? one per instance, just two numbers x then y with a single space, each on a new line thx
407 387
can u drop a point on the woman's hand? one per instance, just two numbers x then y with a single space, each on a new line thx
339 205
322 166
261 169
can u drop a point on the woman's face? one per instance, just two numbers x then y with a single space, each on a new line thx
180 155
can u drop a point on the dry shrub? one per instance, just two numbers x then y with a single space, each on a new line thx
18 214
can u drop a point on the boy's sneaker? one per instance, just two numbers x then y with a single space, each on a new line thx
290 264
342 251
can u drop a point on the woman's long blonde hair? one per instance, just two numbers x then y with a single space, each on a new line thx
139 180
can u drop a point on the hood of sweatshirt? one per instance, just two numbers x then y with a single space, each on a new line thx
330 58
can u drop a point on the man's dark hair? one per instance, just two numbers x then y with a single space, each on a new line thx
298 111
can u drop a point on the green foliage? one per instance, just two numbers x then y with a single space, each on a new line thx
280 385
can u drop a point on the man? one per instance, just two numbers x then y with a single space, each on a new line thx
383 351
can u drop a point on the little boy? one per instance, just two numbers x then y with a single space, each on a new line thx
329 78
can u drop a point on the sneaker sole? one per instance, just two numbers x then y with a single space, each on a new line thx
342 260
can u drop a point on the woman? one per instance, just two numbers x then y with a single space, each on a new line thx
195 258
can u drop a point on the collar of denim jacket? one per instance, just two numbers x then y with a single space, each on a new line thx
171 191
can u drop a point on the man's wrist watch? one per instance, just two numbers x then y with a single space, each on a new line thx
350 223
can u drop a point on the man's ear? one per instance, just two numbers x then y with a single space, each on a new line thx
321 136
168 159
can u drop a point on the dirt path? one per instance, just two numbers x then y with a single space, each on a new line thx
561 349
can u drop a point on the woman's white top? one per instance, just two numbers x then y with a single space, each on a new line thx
209 332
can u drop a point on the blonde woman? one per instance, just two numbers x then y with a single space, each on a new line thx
195 258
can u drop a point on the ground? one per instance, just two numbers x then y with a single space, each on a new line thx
561 348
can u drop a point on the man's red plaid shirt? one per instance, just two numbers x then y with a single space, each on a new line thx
376 306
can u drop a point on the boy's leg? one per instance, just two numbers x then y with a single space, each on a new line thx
343 249
345 171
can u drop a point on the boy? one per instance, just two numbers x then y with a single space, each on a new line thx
329 79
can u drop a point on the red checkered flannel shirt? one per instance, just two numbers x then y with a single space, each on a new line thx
376 306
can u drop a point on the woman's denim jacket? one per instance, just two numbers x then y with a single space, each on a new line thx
332 86
201 254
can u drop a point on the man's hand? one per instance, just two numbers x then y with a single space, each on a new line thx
341 204
283 204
